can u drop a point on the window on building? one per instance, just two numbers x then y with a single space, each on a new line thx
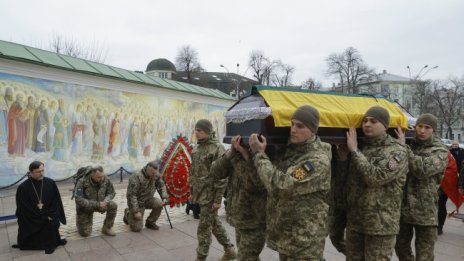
385 90
163 75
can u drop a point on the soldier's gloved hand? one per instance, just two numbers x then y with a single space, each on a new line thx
138 216
165 201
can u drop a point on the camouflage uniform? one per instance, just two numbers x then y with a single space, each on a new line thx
337 210
204 191
427 163
246 204
140 196
88 196
297 209
375 190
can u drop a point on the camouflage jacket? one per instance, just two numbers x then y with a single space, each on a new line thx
427 163
246 196
203 188
89 194
298 184
375 186
141 188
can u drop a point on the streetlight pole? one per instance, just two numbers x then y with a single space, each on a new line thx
418 75
435 67
237 83
417 81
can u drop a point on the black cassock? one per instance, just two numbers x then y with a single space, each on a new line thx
38 229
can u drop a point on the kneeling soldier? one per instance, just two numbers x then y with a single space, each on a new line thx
94 193
140 196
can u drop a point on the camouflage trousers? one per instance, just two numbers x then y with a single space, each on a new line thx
210 224
426 236
337 225
250 243
156 206
362 247
84 218
283 257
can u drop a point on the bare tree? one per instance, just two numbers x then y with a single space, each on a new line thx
282 74
260 65
349 67
94 51
187 60
448 96
311 84
422 101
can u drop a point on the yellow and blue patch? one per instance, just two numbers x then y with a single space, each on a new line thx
303 171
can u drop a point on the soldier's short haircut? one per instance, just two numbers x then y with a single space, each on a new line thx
97 168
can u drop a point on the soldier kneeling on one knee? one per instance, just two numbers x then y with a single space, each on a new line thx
140 196
94 192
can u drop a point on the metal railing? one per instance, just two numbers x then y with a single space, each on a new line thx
121 172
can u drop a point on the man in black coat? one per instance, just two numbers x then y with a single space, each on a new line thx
39 211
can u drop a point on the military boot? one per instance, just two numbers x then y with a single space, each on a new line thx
125 218
108 231
229 254
151 226
200 258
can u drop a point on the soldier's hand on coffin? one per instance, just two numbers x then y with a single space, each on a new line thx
138 216
233 145
255 144
461 191
242 148
342 152
351 140
400 135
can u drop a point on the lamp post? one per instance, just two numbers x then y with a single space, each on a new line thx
420 86
435 67
237 82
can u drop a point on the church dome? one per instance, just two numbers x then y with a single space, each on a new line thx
161 64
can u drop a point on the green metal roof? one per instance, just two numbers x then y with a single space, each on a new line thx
23 53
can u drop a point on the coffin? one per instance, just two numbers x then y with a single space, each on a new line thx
268 110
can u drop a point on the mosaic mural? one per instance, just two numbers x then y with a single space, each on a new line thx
67 126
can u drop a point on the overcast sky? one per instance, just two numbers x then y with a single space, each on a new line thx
389 34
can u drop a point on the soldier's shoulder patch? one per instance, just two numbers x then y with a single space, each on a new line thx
303 171
436 161
393 164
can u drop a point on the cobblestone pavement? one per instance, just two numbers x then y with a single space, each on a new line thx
176 214
165 244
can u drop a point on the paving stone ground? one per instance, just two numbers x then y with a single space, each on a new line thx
167 244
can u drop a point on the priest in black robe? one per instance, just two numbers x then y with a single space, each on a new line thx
39 211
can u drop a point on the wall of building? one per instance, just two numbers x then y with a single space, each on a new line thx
100 121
